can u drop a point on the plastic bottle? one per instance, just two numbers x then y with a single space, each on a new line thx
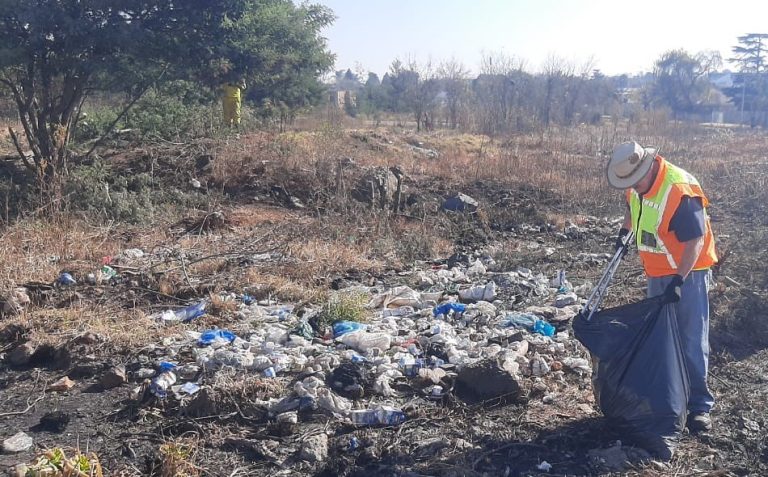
364 417
390 416
191 312
160 385
270 372
386 416
66 279
412 369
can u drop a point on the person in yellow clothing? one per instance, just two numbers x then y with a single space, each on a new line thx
231 101
667 211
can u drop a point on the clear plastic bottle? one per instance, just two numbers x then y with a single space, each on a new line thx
364 417
383 416
390 417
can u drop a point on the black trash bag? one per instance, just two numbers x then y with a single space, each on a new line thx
639 374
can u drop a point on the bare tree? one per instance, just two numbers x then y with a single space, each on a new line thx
555 71
422 94
495 91
454 78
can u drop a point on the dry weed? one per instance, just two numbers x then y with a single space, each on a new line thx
177 458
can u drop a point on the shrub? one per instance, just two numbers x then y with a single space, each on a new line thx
107 193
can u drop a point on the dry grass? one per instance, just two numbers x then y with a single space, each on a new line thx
126 329
317 248
274 285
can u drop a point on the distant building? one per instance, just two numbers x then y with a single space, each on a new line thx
721 80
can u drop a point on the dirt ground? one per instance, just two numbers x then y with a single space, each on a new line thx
321 246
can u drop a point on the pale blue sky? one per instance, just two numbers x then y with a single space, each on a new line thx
621 36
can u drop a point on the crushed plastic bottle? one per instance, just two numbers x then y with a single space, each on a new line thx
66 279
191 312
385 415
162 383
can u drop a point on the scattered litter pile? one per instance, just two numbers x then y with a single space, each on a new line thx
444 332
450 335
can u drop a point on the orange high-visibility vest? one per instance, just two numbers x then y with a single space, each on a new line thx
660 250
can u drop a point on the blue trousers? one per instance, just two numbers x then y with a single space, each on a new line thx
693 322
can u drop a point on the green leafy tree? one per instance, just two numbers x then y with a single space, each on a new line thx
681 79
54 53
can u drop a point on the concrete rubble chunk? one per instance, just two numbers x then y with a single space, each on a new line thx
539 366
314 448
19 442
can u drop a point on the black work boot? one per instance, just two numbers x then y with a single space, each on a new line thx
699 422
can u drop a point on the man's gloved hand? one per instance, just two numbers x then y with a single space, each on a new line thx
620 241
673 290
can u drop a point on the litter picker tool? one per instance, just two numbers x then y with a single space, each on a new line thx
596 297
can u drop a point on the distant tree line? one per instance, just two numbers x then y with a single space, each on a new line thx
506 96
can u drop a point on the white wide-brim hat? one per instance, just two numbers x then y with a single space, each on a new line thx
629 163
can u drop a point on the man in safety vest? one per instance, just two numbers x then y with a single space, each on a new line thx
667 213
231 102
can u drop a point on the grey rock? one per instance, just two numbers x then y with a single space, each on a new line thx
314 448
378 187
461 203
19 442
